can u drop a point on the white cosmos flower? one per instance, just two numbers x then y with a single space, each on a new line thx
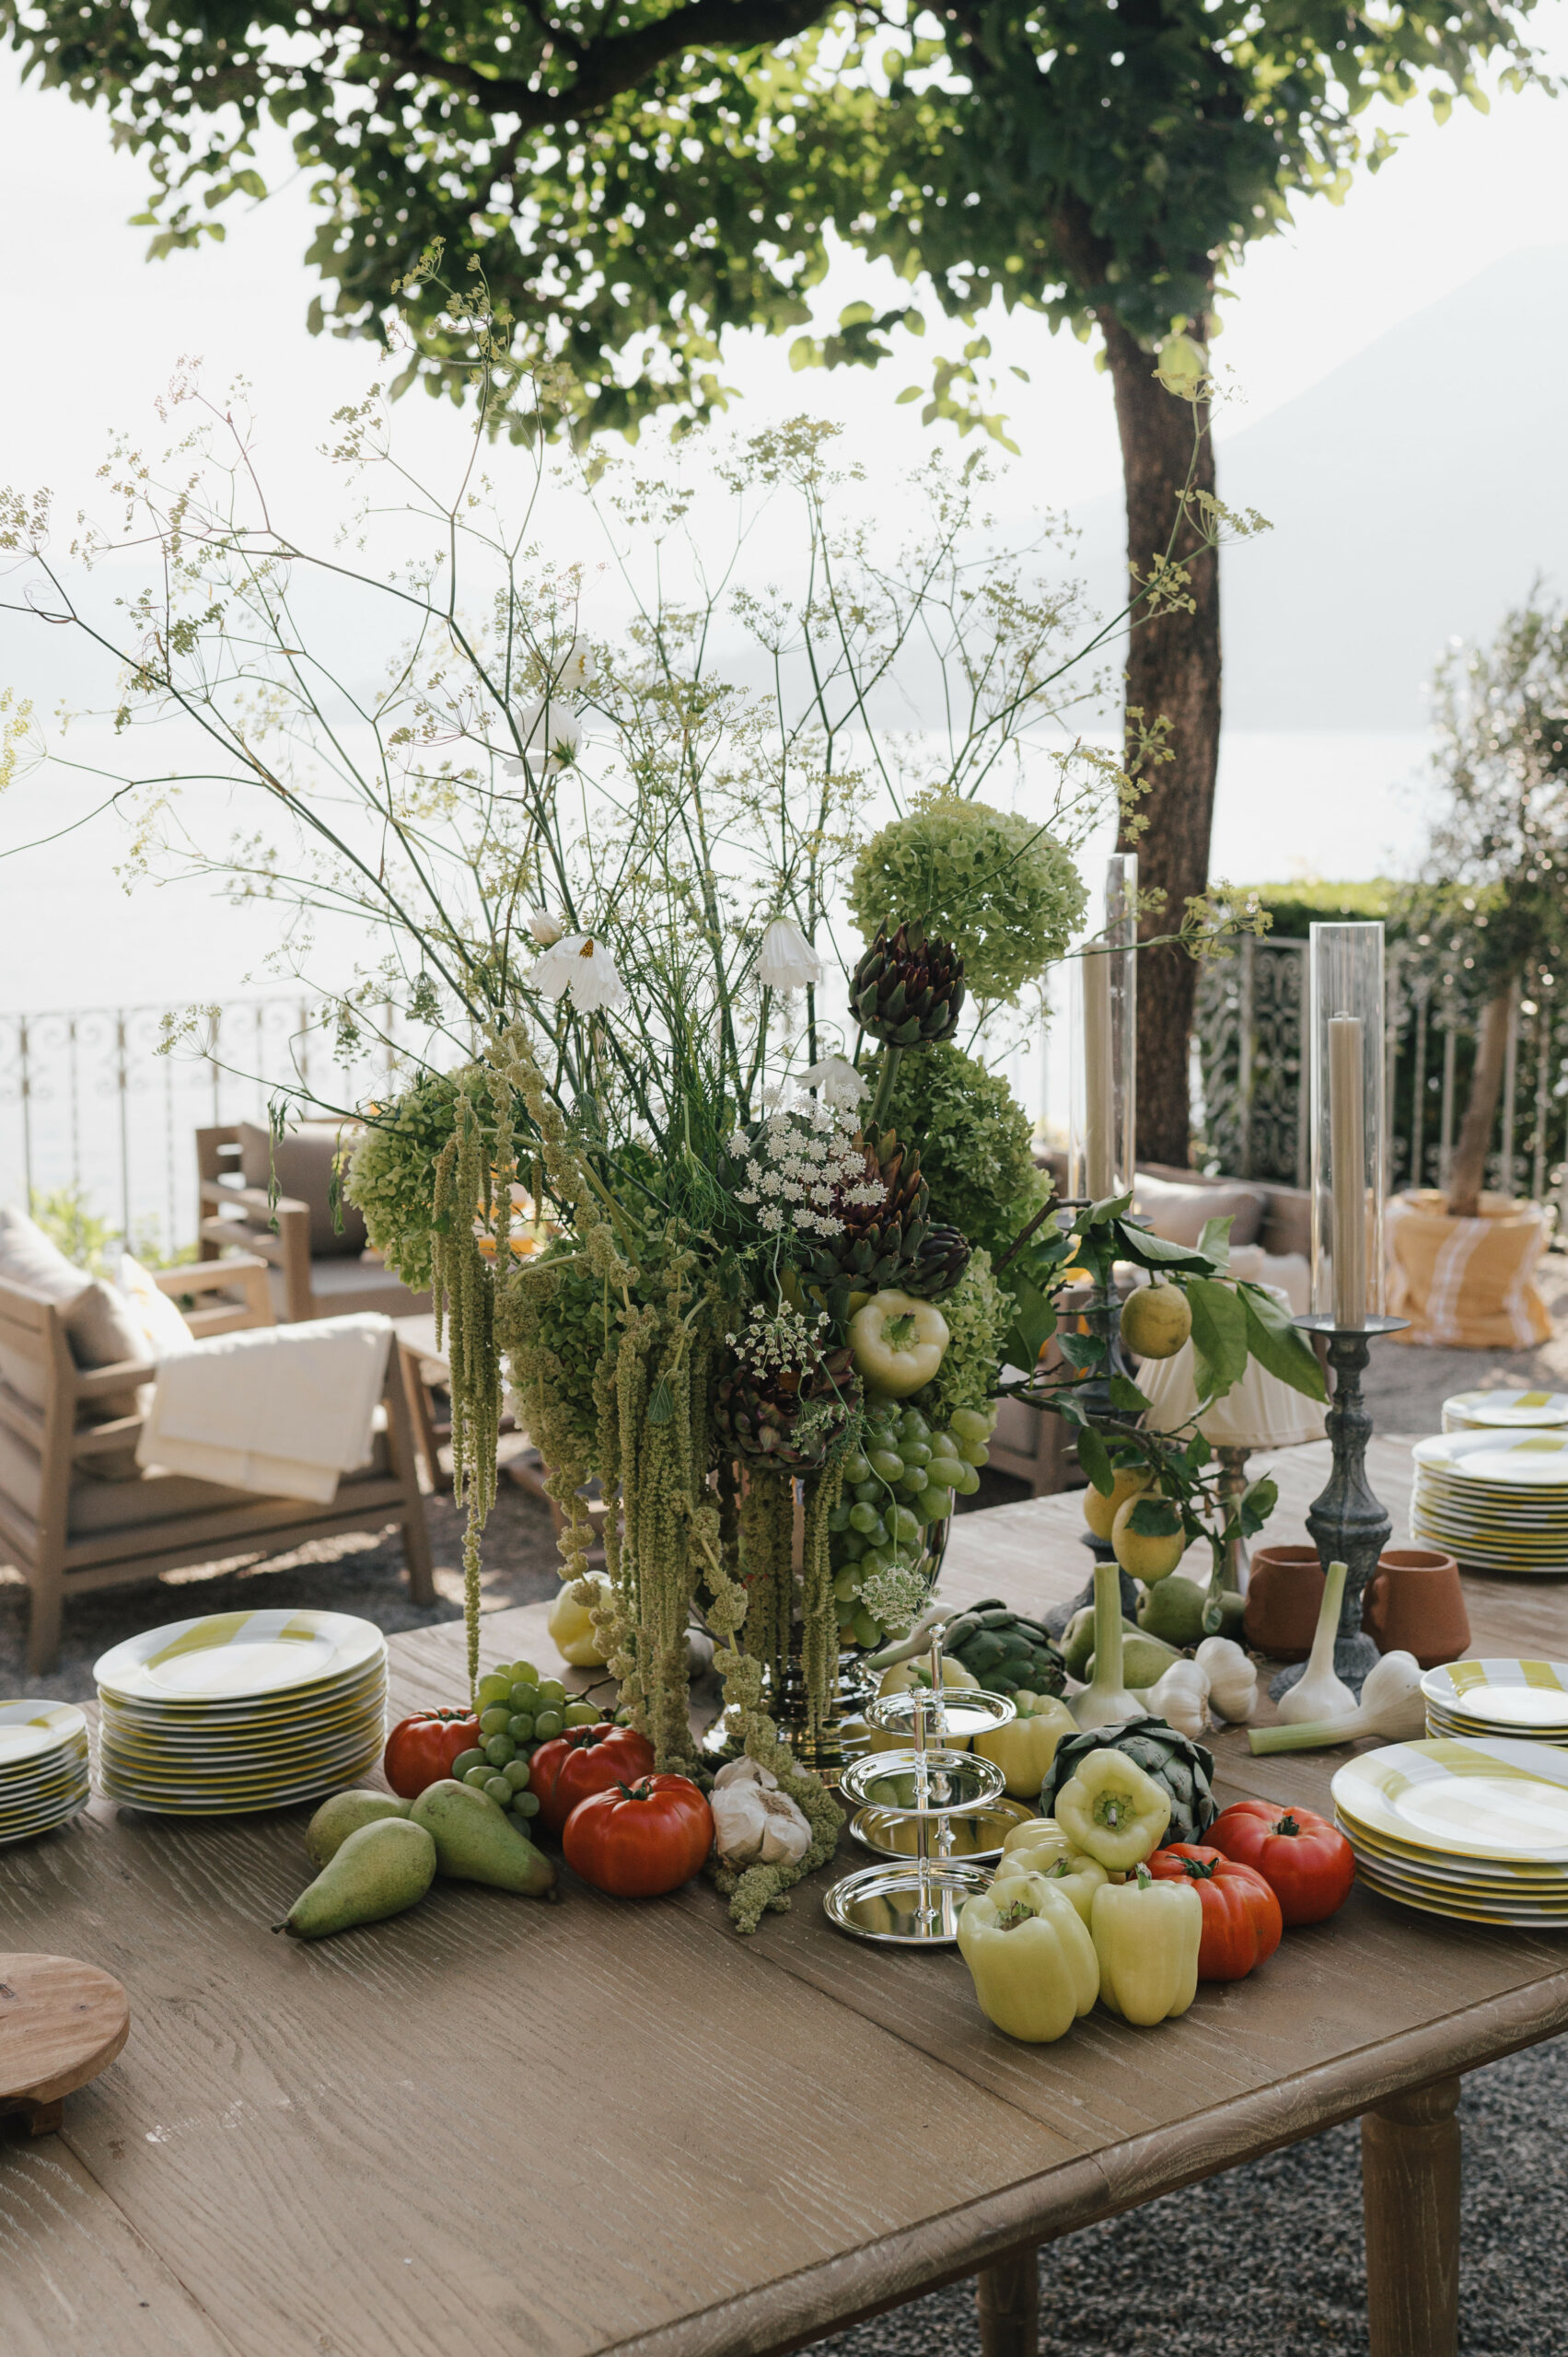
551 733
838 1080
576 669
546 929
583 967
787 962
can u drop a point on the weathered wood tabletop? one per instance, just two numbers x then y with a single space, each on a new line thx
541 2132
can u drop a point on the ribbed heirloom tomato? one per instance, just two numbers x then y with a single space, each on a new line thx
583 1760
420 1750
639 1841
1306 1862
1242 1925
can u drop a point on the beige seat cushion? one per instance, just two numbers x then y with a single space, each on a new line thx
303 1161
100 1508
99 1325
1177 1213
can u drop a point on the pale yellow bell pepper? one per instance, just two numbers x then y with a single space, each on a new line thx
1078 1876
1034 1966
572 1630
1147 1935
1041 1837
1112 1809
1026 1747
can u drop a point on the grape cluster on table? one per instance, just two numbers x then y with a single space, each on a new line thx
901 1480
519 1710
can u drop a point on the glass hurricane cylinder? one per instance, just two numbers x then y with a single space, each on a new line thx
1102 1012
1346 1073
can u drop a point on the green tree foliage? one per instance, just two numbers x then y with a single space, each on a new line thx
639 177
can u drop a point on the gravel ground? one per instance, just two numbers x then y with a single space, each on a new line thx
1266 2262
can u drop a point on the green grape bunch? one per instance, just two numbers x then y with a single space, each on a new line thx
900 1482
519 1710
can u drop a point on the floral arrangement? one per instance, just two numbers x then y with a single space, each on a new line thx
729 1201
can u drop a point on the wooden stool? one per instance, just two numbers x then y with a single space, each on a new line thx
61 2024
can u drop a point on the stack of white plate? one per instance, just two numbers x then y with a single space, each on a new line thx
1497 1501
1504 1412
43 1767
241 1711
1456 1827
1488 1698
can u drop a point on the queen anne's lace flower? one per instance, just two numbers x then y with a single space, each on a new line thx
805 1158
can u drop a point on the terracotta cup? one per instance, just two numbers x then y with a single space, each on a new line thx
1415 1605
1284 1595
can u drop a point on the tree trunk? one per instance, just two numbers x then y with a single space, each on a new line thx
1173 673
1467 1169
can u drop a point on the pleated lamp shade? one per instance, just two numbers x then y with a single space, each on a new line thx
1258 1412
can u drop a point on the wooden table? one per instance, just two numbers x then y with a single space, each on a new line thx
542 2131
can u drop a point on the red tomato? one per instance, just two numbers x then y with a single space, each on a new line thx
421 1751
639 1841
1242 1925
584 1760
1306 1862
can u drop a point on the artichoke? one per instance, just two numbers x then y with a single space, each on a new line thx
879 1243
940 1262
1184 1768
1004 1650
786 1418
908 991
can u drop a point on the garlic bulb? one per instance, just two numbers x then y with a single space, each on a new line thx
754 1823
1233 1682
1181 1699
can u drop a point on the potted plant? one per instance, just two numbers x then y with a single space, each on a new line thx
1463 1256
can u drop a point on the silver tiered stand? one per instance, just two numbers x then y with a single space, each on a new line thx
914 1901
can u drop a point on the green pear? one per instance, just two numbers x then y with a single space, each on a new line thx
1145 1659
1077 1641
1173 1608
378 1871
344 1814
477 1841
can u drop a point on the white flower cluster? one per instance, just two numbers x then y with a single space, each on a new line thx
895 1598
779 1342
806 1160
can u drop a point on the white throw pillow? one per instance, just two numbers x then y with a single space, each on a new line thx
163 1327
97 1322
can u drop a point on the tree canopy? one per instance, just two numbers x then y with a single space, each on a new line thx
637 176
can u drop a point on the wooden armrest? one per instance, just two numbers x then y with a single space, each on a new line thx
124 1375
253 1199
207 1276
99 1440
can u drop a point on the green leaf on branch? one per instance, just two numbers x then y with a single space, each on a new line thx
1082 1351
1214 1242
1148 1250
1278 1345
1034 1321
1093 1460
1219 1335
1154 1517
1100 1214
1258 1503
1124 1393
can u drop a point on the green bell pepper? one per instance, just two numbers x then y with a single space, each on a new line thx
1033 1964
1112 1810
1147 1935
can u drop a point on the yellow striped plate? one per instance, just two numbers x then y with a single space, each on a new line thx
1453 1797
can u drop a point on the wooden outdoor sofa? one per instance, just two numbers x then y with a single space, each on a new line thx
69 1533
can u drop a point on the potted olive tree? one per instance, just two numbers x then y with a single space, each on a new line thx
1496 903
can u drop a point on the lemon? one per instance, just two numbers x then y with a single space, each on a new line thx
1099 1512
1156 1321
1146 1558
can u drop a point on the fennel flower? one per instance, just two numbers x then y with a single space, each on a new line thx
583 967
787 962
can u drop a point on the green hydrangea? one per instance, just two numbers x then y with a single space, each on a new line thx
975 1143
978 1313
391 1173
997 885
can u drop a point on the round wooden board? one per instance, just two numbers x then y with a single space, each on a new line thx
61 2024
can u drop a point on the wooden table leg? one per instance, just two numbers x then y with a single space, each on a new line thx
1409 2180
1007 2299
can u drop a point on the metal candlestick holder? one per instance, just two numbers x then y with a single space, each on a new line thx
1347 1524
914 1901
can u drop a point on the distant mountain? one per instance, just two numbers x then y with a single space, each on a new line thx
1415 494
